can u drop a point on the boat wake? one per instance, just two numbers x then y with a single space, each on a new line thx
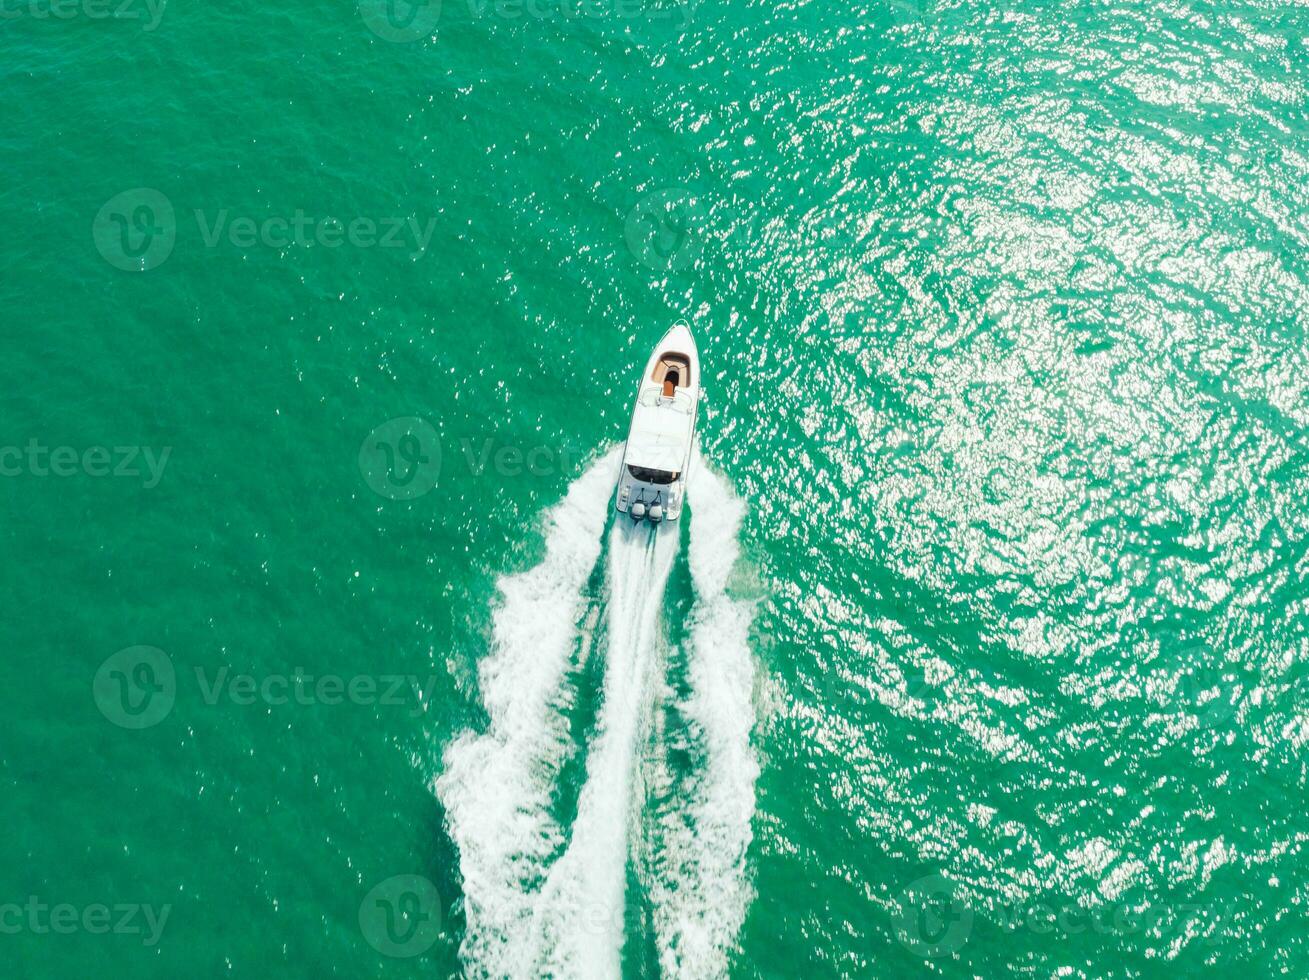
497 786
547 885
700 891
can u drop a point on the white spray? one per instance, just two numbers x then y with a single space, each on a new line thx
527 917
582 913
702 893
496 786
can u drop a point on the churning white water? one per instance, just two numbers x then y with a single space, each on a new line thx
701 896
496 786
548 900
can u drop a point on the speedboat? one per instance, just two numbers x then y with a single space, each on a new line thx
656 460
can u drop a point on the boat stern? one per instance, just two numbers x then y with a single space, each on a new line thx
648 500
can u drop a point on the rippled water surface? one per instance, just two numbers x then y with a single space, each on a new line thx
1002 309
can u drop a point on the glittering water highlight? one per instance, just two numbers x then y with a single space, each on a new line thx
1002 313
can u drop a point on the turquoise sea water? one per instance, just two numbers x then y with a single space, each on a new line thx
981 650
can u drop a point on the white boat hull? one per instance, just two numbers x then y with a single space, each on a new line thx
657 457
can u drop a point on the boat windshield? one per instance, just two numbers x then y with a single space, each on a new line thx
654 398
661 477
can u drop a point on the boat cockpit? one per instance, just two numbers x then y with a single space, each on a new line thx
672 371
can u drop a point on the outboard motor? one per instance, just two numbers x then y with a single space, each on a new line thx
637 510
656 512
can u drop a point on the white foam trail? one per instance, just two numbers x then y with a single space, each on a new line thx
496 786
581 924
702 893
